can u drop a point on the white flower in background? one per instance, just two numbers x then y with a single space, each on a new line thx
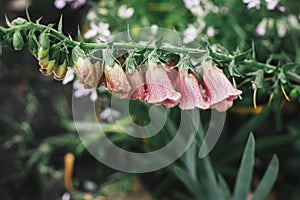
190 34
69 76
92 16
109 114
190 4
252 3
282 28
101 30
154 28
125 12
211 31
80 91
294 22
271 4
261 28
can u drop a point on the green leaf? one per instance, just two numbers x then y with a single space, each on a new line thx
224 187
267 181
184 177
79 35
60 24
243 182
241 57
259 78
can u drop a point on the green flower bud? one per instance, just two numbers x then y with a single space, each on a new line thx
48 68
61 70
44 45
19 21
32 43
18 41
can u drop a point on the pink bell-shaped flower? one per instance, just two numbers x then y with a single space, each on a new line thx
137 83
116 81
219 90
191 91
159 87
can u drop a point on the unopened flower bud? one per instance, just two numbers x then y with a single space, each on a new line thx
116 81
19 21
44 45
47 69
91 75
77 53
18 41
60 70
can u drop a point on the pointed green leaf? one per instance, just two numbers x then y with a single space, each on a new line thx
253 49
79 35
224 187
241 57
267 181
27 13
243 182
60 24
187 181
7 22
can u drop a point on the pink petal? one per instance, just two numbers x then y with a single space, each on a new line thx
191 91
159 87
217 86
223 105
137 83
116 81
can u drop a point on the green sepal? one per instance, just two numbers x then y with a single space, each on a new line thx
54 53
32 42
18 41
130 64
9 40
77 52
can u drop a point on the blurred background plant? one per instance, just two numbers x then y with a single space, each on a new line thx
37 126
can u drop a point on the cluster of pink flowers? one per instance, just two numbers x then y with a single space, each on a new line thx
167 86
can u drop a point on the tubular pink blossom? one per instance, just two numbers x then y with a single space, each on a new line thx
191 91
159 87
137 83
116 81
220 92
